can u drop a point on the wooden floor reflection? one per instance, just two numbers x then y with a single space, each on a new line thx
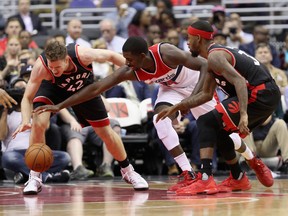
115 197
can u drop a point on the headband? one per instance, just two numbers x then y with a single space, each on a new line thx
201 33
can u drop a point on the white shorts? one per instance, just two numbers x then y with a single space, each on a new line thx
174 95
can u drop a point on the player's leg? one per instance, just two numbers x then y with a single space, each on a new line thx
115 146
208 128
40 124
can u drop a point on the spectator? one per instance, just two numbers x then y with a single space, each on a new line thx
218 17
220 38
269 138
153 34
74 137
12 28
167 21
140 23
28 20
183 44
28 43
261 35
9 63
137 5
264 55
14 149
234 29
284 54
74 33
173 37
123 17
109 34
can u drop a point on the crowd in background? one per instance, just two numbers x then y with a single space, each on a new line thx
78 147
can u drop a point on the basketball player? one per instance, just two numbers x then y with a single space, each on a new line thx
177 72
58 73
252 94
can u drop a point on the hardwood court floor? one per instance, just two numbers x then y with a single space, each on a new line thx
115 197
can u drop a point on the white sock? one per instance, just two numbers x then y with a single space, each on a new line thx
33 173
183 162
247 154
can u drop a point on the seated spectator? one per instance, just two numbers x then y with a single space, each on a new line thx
122 17
140 23
12 29
109 34
261 35
9 63
14 149
269 138
218 18
220 38
28 20
167 21
173 37
264 55
233 28
74 33
284 54
25 72
153 34
73 139
28 43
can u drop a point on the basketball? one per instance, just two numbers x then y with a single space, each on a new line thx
39 157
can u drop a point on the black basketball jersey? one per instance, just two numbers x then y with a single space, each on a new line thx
75 80
250 68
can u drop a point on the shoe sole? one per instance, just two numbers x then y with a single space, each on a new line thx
206 192
32 192
141 189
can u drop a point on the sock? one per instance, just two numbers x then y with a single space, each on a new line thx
247 154
33 173
206 167
236 171
123 164
183 162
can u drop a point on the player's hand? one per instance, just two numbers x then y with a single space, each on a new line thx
75 126
22 127
46 108
243 124
166 112
6 100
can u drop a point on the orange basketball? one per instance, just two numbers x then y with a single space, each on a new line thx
39 157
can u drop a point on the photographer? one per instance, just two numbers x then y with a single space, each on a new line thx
234 29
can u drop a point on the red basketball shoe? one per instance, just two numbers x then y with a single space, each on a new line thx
184 179
199 187
231 184
262 172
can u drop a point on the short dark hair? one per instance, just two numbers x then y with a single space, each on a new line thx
135 45
263 45
55 51
202 25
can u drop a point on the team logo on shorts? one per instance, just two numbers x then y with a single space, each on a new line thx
233 107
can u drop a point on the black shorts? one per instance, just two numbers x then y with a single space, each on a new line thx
91 112
262 102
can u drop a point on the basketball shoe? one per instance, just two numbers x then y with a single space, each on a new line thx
132 177
34 185
184 179
231 184
199 186
263 173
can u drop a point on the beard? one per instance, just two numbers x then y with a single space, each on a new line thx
194 54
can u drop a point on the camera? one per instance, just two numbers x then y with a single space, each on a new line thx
233 30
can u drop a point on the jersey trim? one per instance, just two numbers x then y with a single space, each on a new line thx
47 69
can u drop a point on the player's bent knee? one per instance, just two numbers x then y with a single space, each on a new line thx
162 126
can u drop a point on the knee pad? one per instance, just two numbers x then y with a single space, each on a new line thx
162 126
225 146
208 128
236 140
166 132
